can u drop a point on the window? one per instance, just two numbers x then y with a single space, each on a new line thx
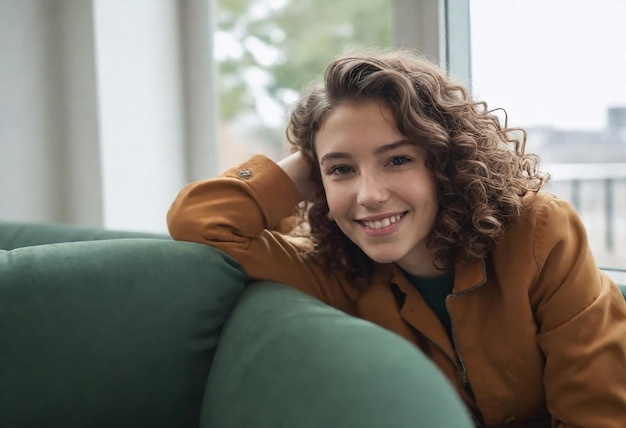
558 67
268 49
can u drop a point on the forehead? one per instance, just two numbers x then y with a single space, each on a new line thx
357 125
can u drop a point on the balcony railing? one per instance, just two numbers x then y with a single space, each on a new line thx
598 192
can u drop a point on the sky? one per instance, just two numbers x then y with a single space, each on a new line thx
550 62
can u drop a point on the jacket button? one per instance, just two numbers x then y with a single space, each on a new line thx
244 173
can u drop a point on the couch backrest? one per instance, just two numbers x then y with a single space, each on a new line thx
112 333
17 235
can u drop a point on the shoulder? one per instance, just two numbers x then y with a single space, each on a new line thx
545 215
537 205
545 224
552 222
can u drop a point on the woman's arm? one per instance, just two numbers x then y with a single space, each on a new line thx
581 315
240 212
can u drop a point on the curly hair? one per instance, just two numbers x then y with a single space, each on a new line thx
479 164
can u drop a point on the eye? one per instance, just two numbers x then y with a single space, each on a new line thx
340 170
398 160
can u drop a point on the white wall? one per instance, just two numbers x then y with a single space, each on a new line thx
48 147
106 109
141 109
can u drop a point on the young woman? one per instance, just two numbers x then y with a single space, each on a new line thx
425 216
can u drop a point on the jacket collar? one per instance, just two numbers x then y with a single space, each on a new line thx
466 276
469 276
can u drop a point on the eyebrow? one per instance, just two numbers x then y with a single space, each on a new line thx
379 150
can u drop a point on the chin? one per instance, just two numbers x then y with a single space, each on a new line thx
383 258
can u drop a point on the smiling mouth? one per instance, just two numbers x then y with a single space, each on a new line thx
381 223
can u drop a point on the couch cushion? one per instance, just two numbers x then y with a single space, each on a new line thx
287 360
17 235
114 333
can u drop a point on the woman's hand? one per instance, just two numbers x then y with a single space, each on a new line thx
299 170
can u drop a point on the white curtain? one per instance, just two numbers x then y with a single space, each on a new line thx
106 109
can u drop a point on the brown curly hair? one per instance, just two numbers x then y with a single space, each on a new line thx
480 166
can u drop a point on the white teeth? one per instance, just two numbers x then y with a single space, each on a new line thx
379 224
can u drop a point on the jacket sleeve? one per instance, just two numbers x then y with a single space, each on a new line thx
240 213
581 315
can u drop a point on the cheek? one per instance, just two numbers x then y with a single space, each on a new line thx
334 197
334 202
425 198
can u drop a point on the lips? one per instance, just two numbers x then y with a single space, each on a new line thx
381 223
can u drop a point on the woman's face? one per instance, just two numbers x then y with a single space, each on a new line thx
378 188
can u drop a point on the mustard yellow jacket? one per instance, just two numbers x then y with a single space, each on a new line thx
539 333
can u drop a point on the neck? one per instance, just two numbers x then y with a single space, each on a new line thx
422 270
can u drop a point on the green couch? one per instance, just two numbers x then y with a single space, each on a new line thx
116 329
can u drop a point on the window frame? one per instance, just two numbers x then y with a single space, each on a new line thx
438 28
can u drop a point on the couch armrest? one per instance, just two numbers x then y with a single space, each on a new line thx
111 333
288 360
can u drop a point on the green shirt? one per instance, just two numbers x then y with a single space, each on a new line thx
434 291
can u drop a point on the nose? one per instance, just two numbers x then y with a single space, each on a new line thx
372 190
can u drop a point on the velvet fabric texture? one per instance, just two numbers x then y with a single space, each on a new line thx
288 360
16 235
112 333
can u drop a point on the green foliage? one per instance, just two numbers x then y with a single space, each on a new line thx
300 37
